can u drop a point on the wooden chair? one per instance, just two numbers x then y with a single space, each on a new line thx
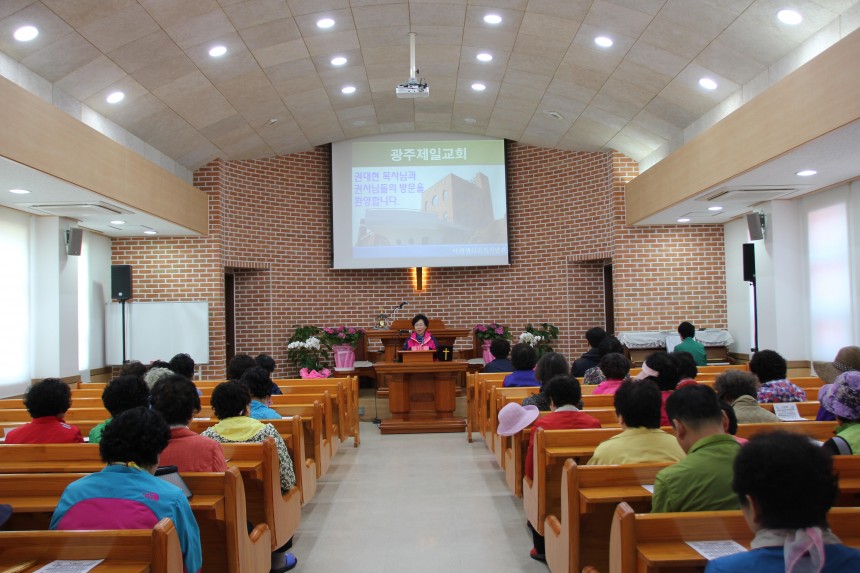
157 548
578 535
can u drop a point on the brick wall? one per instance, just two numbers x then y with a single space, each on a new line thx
270 222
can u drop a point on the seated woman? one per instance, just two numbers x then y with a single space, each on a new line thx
772 372
175 398
47 402
615 368
420 339
843 401
661 368
523 357
121 394
608 345
260 385
786 486
231 404
125 494
550 365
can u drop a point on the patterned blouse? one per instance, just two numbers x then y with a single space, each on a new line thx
780 391
288 475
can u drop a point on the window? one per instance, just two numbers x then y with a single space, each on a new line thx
14 301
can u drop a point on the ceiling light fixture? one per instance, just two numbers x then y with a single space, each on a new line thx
325 23
115 97
708 83
493 19
338 61
806 173
683 220
150 232
26 33
789 17
603 41
217 51
478 87
715 208
348 90
484 57
117 222
19 191
470 120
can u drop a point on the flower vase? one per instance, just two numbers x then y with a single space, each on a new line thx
485 348
344 357
307 373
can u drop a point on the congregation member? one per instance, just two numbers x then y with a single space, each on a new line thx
47 403
847 359
687 332
515 417
687 369
126 494
637 405
615 368
237 366
702 480
260 386
608 345
267 362
843 401
662 369
771 370
133 368
420 338
738 388
564 393
231 404
175 398
183 365
120 394
591 357
730 422
156 373
500 349
523 358
549 366
785 486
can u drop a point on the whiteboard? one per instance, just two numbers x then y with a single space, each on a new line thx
157 331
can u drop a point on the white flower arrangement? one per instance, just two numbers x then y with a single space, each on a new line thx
530 339
312 343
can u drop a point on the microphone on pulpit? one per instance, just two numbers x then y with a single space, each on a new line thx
401 305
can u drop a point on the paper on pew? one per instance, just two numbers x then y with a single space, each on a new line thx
787 412
649 487
713 549
69 566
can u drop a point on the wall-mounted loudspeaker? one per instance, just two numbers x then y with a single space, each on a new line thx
755 224
749 262
74 239
120 282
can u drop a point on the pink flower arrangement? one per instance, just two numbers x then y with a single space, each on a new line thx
335 336
491 331
305 373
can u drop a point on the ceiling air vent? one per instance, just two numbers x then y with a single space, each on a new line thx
79 211
750 194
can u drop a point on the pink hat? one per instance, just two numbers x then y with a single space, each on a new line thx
514 417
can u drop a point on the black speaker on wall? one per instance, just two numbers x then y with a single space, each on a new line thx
749 262
74 240
120 282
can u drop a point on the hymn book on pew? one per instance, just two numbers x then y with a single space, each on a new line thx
711 550
69 566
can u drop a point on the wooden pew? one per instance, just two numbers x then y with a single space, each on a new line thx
806 410
658 542
218 503
156 550
71 417
578 535
821 431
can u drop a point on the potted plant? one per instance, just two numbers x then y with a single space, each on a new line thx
486 333
343 340
306 349
540 338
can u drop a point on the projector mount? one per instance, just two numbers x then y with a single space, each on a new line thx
412 88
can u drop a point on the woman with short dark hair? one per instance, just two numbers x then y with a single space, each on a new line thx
550 364
47 403
420 339
524 358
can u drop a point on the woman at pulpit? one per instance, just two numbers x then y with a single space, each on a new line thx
420 339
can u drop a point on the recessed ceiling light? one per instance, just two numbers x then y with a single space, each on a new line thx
359 122
493 19
715 208
807 172
484 57
603 41
115 97
26 33
150 232
348 89
708 83
470 120
789 17
19 191
117 222
217 51
683 220
325 23
338 61
478 87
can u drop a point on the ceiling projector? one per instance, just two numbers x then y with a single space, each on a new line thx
412 88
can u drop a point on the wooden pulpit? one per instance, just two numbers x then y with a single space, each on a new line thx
393 338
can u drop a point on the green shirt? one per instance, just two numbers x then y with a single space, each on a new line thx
95 435
700 482
695 348
850 432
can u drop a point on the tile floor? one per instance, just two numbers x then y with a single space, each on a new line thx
414 503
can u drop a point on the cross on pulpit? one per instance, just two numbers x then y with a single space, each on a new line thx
445 353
